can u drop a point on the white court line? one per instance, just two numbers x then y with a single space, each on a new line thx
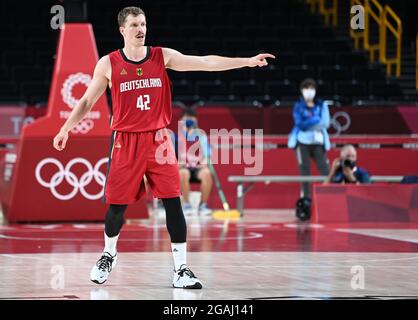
86 228
21 256
409 235
252 235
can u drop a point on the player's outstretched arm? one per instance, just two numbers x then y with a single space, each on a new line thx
95 89
181 62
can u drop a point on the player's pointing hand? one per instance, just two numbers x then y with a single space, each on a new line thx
260 60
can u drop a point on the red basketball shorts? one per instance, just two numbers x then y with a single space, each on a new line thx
134 155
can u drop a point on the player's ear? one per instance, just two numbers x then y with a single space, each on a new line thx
121 30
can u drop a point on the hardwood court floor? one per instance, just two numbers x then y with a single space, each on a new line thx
266 255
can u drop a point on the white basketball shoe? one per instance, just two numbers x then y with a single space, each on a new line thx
187 209
101 270
204 210
185 278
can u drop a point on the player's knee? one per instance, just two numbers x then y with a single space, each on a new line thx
184 175
305 167
205 175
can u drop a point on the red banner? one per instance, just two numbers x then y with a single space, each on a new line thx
365 203
279 121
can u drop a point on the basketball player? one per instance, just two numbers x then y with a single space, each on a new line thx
141 100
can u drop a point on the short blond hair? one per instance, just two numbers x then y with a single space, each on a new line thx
125 12
345 149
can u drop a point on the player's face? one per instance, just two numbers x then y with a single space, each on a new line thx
135 30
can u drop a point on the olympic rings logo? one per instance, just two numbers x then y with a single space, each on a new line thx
77 184
338 125
83 126
69 83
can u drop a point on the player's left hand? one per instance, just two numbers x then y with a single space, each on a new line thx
260 60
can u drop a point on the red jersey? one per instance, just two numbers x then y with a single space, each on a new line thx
141 92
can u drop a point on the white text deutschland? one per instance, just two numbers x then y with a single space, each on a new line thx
140 84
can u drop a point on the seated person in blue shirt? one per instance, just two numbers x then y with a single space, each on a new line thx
192 161
344 169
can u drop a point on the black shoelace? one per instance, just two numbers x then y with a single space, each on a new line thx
105 263
186 271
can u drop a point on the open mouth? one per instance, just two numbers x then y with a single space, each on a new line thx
140 36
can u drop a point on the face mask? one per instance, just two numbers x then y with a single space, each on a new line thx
308 94
190 123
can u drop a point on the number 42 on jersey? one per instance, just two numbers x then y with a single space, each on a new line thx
143 102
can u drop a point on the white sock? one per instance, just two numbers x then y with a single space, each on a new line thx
110 244
179 251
